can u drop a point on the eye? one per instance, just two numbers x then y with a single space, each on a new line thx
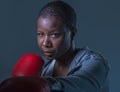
40 34
55 35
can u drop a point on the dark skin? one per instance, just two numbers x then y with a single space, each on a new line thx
55 40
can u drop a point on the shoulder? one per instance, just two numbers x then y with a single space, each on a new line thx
86 54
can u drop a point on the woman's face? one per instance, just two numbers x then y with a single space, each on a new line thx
53 38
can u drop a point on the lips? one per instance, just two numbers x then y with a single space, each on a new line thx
48 53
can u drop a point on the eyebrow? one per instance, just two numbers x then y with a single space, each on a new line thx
53 30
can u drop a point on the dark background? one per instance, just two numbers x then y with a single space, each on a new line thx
98 26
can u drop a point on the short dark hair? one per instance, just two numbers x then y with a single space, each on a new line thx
61 10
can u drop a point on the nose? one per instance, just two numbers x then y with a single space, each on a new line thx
47 42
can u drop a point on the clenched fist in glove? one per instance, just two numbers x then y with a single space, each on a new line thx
31 84
26 77
25 84
28 65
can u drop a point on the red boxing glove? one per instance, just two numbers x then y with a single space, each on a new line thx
28 65
25 84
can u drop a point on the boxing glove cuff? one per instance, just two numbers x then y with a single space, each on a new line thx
55 85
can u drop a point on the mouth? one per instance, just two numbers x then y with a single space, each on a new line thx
48 53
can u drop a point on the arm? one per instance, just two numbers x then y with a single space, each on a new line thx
89 74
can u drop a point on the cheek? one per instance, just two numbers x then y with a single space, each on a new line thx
61 45
39 42
65 44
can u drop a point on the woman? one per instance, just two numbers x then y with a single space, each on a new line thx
68 68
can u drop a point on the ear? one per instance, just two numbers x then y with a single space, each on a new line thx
73 32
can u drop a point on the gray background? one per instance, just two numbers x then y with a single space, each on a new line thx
98 28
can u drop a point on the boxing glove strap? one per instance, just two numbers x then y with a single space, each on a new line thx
55 85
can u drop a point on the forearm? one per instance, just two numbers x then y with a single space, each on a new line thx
91 77
72 84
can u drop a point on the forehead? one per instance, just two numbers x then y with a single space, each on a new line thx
50 21
50 24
